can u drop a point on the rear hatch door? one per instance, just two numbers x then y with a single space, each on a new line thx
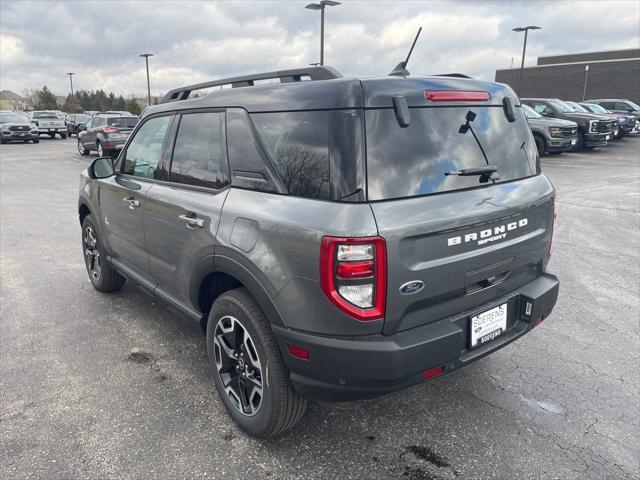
468 240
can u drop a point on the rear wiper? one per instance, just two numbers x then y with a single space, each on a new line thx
485 173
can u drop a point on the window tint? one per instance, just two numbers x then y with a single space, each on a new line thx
608 105
122 122
299 144
143 153
540 107
248 169
622 106
199 154
404 162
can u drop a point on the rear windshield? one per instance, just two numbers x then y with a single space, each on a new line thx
81 118
412 161
122 122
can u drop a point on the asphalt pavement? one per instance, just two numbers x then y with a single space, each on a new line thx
101 386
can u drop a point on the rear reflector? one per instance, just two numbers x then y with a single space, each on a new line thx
456 96
433 372
298 352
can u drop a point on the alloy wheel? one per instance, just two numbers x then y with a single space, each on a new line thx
91 252
100 151
238 365
80 147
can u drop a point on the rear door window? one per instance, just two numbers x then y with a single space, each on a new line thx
199 154
412 161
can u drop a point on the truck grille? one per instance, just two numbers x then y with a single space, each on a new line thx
567 132
20 128
604 127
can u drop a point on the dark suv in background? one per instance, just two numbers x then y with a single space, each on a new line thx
76 122
105 134
319 268
552 135
593 130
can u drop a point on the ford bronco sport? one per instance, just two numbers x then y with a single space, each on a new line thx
336 238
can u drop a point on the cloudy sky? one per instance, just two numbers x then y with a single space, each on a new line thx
198 41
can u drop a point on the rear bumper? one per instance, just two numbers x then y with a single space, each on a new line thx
342 369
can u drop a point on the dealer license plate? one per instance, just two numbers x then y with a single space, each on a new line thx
573 142
488 325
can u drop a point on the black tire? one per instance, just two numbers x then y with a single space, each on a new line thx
81 148
103 277
541 145
280 406
63 136
52 135
100 150
36 140
580 143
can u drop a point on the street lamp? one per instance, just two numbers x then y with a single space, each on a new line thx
146 59
71 74
524 49
586 74
320 6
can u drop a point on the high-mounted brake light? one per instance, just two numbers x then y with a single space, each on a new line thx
110 130
456 96
353 275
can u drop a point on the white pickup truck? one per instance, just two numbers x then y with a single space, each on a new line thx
48 122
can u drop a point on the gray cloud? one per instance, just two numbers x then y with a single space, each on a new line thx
196 41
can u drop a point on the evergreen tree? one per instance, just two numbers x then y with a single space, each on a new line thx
120 104
46 100
85 101
133 106
111 102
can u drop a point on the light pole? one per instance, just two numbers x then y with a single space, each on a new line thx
71 74
586 74
146 59
320 6
524 49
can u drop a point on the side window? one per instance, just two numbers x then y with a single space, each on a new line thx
143 153
622 106
199 153
299 144
609 105
248 169
539 107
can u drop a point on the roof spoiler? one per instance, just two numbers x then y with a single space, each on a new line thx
457 75
285 76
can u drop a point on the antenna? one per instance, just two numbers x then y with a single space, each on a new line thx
401 69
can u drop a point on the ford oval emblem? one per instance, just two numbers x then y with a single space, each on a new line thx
411 287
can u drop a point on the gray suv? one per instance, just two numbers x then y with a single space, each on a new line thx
336 238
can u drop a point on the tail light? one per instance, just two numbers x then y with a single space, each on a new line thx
353 275
110 130
456 96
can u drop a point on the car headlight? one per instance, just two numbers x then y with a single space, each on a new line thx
593 126
555 131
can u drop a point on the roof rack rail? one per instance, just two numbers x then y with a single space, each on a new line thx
285 76
458 75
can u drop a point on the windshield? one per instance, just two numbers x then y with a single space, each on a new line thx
122 122
633 105
595 108
81 118
530 112
45 115
13 118
406 162
576 107
560 106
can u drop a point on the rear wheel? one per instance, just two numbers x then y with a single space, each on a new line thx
541 145
81 149
63 135
52 135
102 276
248 371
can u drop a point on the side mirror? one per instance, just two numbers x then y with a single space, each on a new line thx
101 167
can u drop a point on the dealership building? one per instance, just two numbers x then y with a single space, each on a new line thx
578 76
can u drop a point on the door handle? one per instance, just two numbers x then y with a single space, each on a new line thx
133 203
191 221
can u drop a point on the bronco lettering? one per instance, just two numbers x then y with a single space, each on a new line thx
488 234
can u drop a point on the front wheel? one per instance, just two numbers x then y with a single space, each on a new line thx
102 276
100 150
36 140
248 370
540 145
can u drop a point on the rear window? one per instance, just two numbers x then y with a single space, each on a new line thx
45 115
412 161
122 122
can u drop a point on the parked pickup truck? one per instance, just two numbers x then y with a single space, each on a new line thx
552 135
48 122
